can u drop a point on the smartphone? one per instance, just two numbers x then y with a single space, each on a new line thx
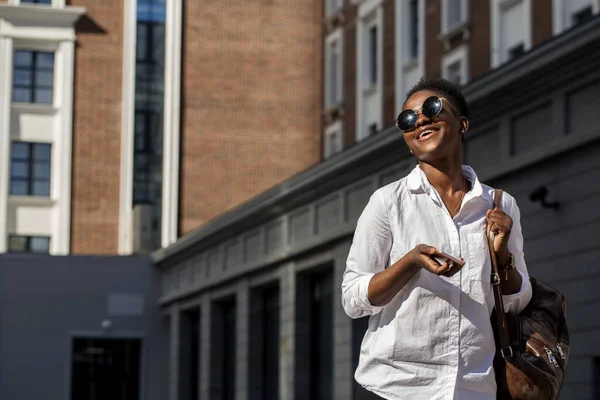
441 257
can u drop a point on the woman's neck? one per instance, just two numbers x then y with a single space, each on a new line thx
446 179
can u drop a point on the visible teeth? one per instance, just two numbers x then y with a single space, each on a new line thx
424 132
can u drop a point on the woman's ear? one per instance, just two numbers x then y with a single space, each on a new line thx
464 125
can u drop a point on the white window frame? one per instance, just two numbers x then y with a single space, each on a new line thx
56 34
461 53
332 7
54 4
403 65
370 12
333 129
331 101
561 21
464 15
366 71
497 51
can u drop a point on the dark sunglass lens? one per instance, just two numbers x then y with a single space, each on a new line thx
407 119
432 106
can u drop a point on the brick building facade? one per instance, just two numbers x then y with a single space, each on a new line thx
180 111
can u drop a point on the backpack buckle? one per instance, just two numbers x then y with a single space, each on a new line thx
495 279
504 356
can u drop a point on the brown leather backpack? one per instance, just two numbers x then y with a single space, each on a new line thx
532 346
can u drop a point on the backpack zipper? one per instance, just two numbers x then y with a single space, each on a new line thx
560 351
551 357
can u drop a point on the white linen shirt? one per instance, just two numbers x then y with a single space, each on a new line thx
434 339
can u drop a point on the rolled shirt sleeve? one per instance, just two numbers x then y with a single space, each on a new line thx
515 303
369 254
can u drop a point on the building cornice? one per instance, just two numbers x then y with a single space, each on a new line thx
368 156
46 16
545 54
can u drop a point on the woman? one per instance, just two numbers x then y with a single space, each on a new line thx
429 334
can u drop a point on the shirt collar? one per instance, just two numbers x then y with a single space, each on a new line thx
417 180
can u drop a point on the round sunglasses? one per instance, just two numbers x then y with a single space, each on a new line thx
431 107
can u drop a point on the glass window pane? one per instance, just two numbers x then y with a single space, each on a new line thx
142 38
19 169
454 11
22 78
41 152
39 244
23 58
44 59
19 188
21 95
44 79
41 189
41 171
17 243
43 96
20 151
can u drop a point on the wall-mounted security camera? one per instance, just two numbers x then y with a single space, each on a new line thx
539 196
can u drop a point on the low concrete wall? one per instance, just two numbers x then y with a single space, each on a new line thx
46 300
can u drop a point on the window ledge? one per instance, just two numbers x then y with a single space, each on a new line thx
370 89
334 113
46 14
34 108
461 29
31 200
335 20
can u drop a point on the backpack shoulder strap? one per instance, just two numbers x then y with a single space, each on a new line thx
498 198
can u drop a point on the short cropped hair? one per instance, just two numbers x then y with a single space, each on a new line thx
451 92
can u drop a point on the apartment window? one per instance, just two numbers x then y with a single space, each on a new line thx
455 65
33 79
149 110
333 69
333 6
569 13
453 72
369 98
413 33
36 1
454 12
583 15
30 169
372 66
512 29
28 244
333 139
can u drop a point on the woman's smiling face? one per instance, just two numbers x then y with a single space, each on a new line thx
436 137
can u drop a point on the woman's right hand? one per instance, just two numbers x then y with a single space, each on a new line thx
387 283
422 257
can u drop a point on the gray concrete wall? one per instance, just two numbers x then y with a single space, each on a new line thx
562 249
45 300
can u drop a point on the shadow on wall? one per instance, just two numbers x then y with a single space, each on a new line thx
88 25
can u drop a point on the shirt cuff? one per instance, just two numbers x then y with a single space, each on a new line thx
516 302
361 295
